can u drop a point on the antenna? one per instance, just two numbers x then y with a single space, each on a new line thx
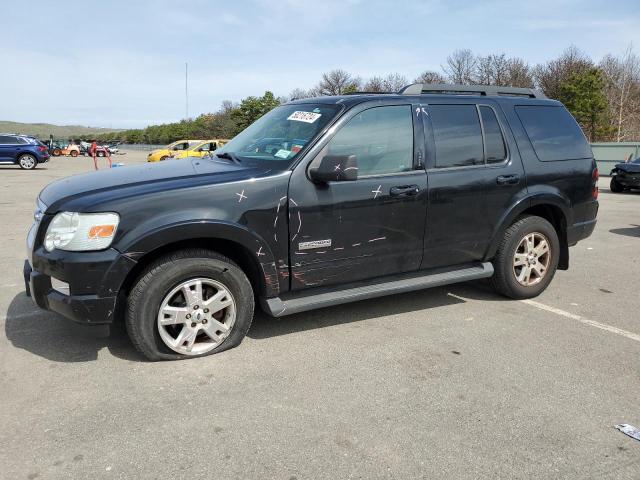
186 89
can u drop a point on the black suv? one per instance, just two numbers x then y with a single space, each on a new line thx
321 201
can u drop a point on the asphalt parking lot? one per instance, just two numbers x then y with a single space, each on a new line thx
453 382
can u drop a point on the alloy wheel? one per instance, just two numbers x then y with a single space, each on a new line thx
531 259
196 316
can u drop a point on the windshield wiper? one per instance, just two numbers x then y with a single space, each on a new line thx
228 156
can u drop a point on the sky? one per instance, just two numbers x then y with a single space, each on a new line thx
121 64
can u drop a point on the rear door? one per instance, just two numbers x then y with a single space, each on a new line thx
345 231
472 176
9 148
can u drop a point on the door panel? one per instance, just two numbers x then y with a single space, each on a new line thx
345 231
8 148
467 195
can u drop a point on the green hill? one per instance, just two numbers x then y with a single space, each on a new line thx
43 130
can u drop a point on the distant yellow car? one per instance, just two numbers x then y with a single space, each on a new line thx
201 149
171 149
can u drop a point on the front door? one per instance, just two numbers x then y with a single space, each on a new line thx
345 231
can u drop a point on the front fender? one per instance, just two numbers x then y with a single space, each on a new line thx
203 229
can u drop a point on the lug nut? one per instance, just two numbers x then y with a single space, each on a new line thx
206 310
188 316
204 321
194 324
196 307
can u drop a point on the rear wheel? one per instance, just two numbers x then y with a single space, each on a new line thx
162 159
191 303
74 153
56 152
615 186
100 154
27 161
527 258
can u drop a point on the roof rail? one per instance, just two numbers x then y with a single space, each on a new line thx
485 90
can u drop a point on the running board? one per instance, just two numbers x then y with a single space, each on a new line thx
326 297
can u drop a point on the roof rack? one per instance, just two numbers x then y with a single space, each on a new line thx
484 90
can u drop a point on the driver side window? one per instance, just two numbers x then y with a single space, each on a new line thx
381 138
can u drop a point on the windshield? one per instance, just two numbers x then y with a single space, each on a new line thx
276 138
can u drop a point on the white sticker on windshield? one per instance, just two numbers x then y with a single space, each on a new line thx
282 153
306 117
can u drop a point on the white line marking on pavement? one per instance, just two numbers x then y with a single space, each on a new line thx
586 321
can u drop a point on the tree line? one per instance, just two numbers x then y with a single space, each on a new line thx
603 96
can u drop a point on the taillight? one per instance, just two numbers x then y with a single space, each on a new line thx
594 185
42 148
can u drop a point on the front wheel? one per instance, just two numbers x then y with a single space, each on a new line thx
527 258
27 162
190 303
615 186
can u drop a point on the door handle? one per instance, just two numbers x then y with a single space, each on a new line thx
508 179
404 191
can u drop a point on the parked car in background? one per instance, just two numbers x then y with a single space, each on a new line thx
72 150
175 147
22 150
201 149
364 196
625 176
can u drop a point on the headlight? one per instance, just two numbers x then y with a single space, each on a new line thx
78 232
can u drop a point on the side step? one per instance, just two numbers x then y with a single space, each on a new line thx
326 297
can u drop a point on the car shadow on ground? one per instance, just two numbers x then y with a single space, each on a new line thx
633 231
57 339
265 327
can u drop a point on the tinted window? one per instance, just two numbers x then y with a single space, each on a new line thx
8 140
381 138
494 148
553 132
457 134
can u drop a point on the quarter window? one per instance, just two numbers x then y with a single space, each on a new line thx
457 135
494 148
381 138
554 133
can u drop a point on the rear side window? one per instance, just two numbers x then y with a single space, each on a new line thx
7 140
457 135
553 132
495 150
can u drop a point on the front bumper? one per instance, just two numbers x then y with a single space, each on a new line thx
94 278
87 309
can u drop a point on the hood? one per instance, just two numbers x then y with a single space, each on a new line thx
143 178
629 167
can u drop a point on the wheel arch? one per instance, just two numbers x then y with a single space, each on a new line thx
552 207
233 241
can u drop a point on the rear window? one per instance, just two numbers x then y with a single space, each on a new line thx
553 132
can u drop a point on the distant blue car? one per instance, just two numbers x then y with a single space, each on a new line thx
22 150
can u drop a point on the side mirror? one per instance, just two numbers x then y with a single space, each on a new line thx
334 168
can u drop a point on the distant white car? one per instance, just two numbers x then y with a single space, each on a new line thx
112 150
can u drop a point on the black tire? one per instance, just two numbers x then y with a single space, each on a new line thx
162 159
100 154
27 161
504 278
56 152
159 278
74 154
615 186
